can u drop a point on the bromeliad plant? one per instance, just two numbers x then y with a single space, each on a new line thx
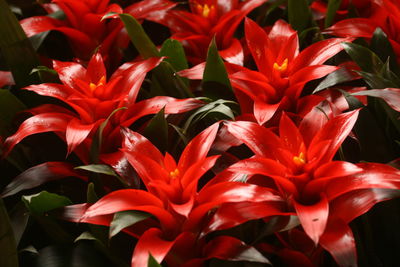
277 157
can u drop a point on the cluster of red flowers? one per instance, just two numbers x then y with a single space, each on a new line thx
274 162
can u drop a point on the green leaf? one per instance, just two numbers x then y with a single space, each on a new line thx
98 168
139 37
157 131
300 17
353 102
173 50
9 106
333 6
215 70
339 76
216 84
125 219
173 85
44 202
383 48
8 248
364 57
16 48
152 262
218 108
91 195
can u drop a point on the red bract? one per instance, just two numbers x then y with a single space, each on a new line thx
300 163
386 15
94 98
173 199
85 28
209 18
282 70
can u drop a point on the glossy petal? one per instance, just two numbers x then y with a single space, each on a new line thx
76 132
313 218
318 53
338 239
47 122
39 24
336 130
233 214
257 138
198 148
355 27
151 242
131 199
135 142
55 90
263 112
69 71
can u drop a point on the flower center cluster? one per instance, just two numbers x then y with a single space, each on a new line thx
300 159
174 174
282 67
101 82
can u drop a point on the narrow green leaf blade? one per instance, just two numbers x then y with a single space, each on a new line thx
157 131
216 84
98 168
333 6
125 219
139 37
364 57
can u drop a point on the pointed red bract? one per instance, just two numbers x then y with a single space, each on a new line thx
94 99
314 185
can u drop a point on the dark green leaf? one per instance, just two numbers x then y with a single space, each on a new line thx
382 47
173 50
364 57
9 106
353 102
299 13
215 70
98 168
91 195
157 131
333 6
173 85
125 219
152 262
16 48
219 108
139 37
8 248
44 202
334 78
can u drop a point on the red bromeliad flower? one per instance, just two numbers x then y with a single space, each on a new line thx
94 98
209 18
282 70
173 199
325 194
386 15
85 28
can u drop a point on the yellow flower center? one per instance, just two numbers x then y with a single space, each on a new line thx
300 159
205 9
281 67
102 81
174 174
